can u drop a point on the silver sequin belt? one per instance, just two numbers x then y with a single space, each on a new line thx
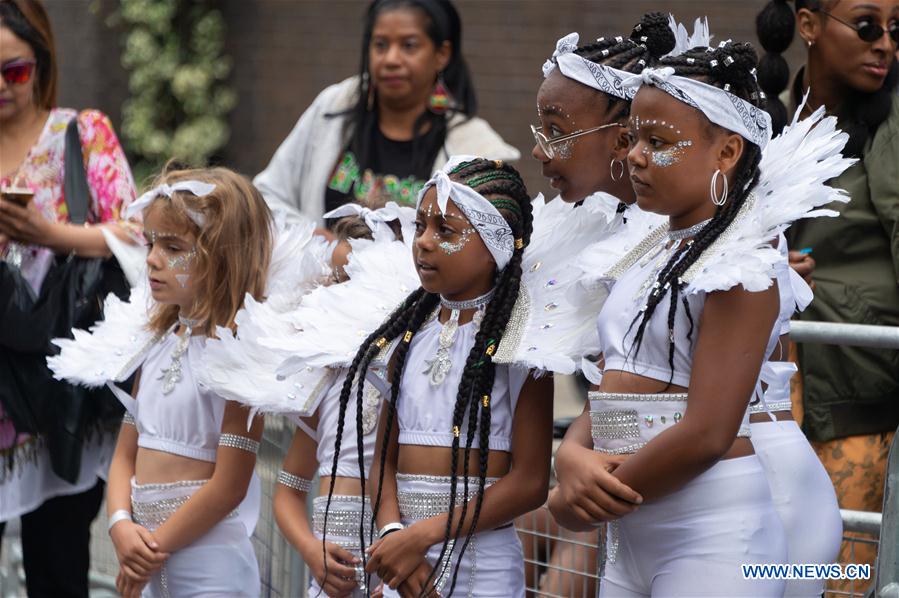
344 516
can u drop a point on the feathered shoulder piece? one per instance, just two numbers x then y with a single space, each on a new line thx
332 321
795 168
114 348
547 330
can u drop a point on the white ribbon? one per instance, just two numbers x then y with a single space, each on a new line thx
486 219
597 76
721 107
197 188
377 219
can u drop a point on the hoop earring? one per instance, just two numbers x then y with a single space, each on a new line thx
713 189
612 170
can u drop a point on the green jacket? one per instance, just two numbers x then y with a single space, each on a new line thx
848 390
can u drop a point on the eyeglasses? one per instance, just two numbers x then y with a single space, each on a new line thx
869 31
17 72
546 144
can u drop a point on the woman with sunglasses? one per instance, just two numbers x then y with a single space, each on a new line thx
385 131
849 406
55 514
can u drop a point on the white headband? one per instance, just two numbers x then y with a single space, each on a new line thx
600 77
719 106
197 188
377 220
486 219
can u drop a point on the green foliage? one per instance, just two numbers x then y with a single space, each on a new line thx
179 99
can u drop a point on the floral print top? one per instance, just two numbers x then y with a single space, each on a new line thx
111 186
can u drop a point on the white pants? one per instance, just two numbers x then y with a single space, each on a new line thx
343 530
219 563
493 563
803 497
692 542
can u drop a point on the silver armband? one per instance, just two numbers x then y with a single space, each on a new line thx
294 481
239 442
128 419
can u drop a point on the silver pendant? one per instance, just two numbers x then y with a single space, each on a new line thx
172 375
439 367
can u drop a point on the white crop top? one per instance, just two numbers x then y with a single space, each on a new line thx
617 336
188 420
425 413
326 432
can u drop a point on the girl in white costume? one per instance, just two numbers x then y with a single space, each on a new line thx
506 314
708 508
182 498
245 367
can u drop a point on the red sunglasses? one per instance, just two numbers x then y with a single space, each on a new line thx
17 72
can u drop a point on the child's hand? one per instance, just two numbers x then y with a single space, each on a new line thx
397 555
127 587
136 550
415 583
341 579
589 493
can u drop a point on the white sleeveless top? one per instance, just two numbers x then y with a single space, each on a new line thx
188 420
425 413
325 433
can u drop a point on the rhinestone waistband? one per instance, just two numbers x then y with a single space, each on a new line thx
771 406
154 513
416 505
635 396
344 516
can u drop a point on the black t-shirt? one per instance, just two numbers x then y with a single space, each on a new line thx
390 165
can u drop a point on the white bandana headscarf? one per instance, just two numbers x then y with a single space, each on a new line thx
377 219
721 107
197 188
600 77
486 219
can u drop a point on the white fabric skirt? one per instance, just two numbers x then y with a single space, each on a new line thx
219 563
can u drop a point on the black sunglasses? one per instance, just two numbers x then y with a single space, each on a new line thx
869 31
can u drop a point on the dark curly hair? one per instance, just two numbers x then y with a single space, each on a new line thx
502 186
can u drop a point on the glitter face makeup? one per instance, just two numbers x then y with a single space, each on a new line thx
182 279
451 248
668 157
178 262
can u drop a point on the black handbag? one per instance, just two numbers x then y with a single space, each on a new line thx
72 295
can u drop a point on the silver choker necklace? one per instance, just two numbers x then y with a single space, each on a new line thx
683 233
188 323
468 303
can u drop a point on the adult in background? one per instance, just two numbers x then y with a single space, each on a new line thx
387 129
850 398
56 515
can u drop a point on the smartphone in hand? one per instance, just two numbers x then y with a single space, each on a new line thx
18 195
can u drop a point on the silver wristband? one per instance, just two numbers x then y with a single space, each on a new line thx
239 442
128 419
290 480
117 516
390 527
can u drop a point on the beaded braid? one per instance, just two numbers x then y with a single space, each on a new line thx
711 67
650 39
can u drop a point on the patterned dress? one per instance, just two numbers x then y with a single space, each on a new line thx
26 478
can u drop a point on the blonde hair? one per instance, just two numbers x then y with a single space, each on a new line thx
233 248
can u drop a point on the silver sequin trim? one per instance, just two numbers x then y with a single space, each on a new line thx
285 478
722 241
614 423
625 450
771 406
343 526
128 419
623 396
657 236
515 329
171 485
239 442
612 538
152 514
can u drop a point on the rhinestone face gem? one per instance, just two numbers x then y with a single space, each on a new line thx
551 306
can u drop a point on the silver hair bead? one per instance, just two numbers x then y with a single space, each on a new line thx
619 39
713 63
239 442
285 478
727 87
605 52
728 60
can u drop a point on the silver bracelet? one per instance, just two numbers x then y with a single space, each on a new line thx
294 481
119 515
390 527
128 419
239 442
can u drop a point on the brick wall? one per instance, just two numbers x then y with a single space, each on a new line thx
286 51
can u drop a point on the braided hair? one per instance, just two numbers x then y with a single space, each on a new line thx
860 113
650 39
503 187
712 66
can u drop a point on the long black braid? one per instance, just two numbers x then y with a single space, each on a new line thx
728 66
650 39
